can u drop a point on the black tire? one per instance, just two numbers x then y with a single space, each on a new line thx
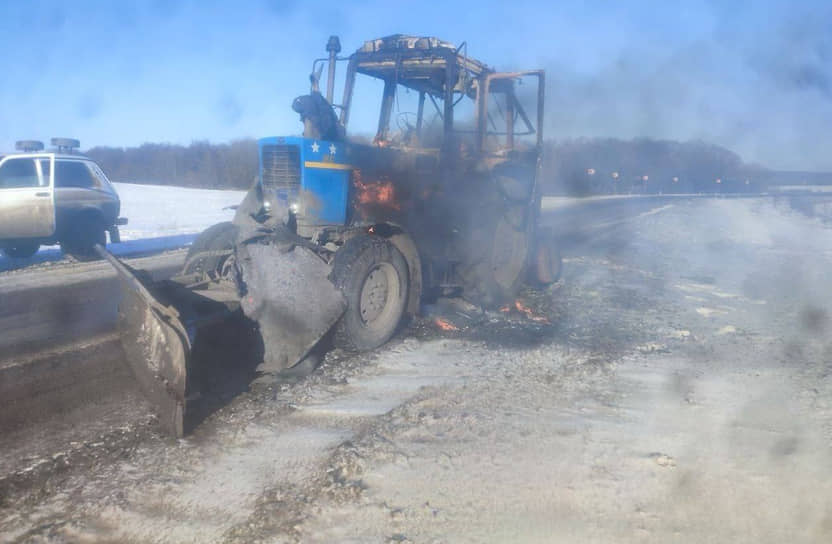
81 235
493 235
21 250
219 237
514 181
372 275
492 243
496 272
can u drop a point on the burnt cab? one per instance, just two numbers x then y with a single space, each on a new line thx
55 197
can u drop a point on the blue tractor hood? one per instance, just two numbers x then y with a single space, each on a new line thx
310 177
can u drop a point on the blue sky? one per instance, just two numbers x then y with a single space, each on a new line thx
753 76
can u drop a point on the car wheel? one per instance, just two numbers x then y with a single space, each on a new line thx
372 275
21 250
82 236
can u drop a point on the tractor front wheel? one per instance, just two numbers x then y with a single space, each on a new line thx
372 275
210 249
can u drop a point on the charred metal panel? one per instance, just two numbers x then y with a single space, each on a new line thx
290 296
159 323
156 345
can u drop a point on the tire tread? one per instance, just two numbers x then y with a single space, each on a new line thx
353 253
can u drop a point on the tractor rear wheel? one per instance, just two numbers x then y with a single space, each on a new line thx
494 259
211 243
372 275
546 265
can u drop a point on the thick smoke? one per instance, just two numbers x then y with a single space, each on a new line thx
759 84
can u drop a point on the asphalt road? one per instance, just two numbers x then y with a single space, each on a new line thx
44 308
58 345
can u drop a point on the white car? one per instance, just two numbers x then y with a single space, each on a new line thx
55 197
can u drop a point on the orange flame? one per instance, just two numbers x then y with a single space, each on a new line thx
445 325
529 313
381 192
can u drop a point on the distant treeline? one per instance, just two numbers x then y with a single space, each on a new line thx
201 164
570 167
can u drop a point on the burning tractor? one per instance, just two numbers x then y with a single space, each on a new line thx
345 239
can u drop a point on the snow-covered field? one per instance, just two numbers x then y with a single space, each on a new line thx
156 210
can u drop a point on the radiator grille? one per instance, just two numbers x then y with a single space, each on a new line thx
281 168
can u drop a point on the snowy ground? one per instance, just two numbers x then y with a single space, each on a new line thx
680 392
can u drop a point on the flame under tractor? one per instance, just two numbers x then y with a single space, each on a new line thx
341 239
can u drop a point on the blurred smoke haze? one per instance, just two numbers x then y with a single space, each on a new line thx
753 77
757 83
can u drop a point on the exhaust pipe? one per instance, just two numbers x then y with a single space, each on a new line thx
333 47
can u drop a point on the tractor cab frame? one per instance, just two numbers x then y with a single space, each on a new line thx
462 169
444 76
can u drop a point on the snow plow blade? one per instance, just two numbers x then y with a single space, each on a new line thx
156 341
183 336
